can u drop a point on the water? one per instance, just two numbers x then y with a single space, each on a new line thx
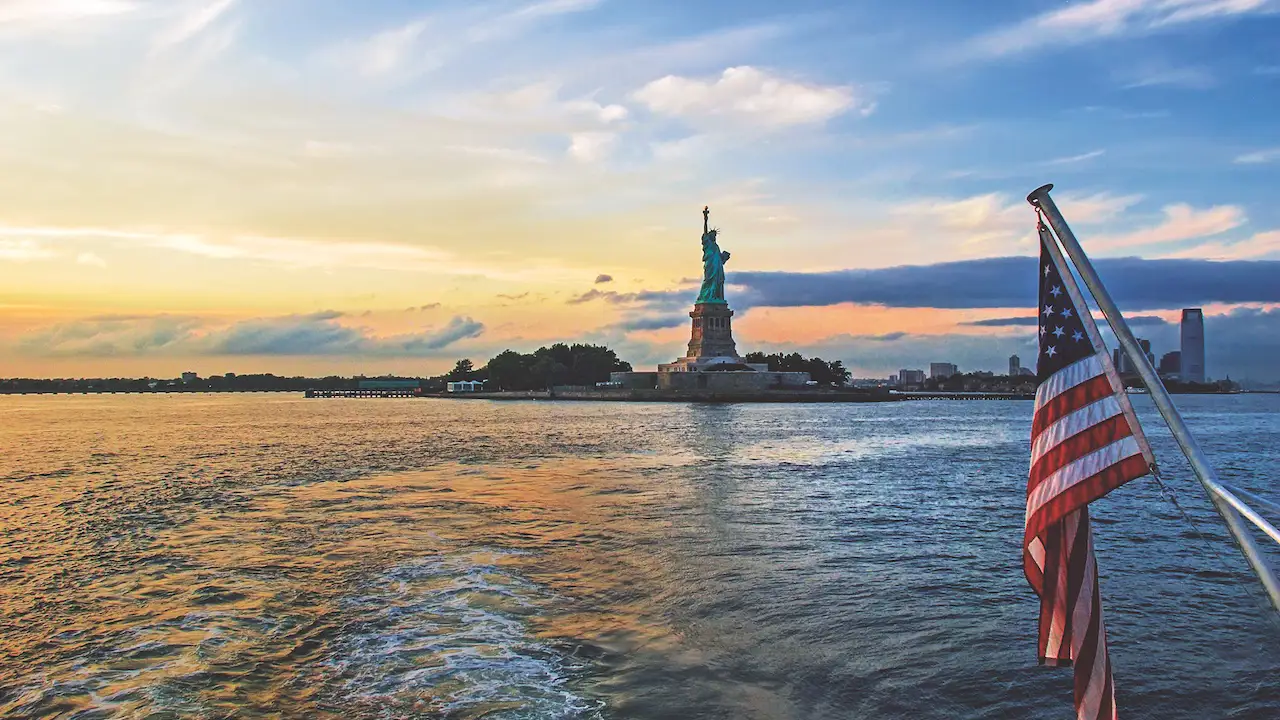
270 556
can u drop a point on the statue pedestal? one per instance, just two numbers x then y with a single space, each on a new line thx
711 341
712 331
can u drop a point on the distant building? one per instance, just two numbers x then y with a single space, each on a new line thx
1121 359
1171 363
465 386
942 371
1025 371
1015 365
893 379
910 378
1192 359
189 377
1146 350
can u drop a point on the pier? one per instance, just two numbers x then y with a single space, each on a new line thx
962 395
366 393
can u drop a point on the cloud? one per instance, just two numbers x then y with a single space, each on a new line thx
1033 321
590 295
88 258
52 13
1261 245
751 95
549 8
321 334
602 278
24 251
522 18
648 297
423 308
387 51
652 322
286 251
109 335
1085 22
1259 157
589 147
995 223
1189 78
1022 321
1076 158
457 329
1010 282
313 334
1182 222
199 18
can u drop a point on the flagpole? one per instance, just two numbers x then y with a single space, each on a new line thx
1221 498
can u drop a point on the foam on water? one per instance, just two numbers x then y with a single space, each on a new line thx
448 635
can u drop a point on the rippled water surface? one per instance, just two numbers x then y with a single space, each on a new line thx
270 556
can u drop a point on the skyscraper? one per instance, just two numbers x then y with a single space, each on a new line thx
1192 358
1015 364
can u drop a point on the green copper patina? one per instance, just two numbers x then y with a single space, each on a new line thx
713 261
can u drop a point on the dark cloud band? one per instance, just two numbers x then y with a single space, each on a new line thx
1010 282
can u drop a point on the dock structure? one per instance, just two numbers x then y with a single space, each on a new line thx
963 396
366 393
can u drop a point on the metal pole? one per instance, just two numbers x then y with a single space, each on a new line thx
1163 401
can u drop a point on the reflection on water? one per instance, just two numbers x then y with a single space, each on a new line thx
270 556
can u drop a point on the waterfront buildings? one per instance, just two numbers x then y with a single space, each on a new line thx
910 378
1171 364
942 371
1015 366
1192 358
1121 360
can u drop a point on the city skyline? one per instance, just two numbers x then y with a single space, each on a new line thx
315 188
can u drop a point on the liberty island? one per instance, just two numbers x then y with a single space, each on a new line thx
711 369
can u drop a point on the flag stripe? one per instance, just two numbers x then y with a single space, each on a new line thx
1067 378
1072 424
1081 469
1094 487
1105 432
1072 399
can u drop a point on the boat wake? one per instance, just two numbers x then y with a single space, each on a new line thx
448 636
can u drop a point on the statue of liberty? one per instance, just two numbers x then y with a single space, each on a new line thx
713 261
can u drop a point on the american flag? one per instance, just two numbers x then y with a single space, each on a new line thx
1085 442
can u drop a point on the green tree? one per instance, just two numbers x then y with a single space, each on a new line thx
463 370
509 370
821 371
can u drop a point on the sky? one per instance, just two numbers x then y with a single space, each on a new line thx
386 186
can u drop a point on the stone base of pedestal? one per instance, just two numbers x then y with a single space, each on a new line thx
712 334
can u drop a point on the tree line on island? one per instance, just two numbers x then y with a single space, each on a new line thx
586 365
820 371
559 364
